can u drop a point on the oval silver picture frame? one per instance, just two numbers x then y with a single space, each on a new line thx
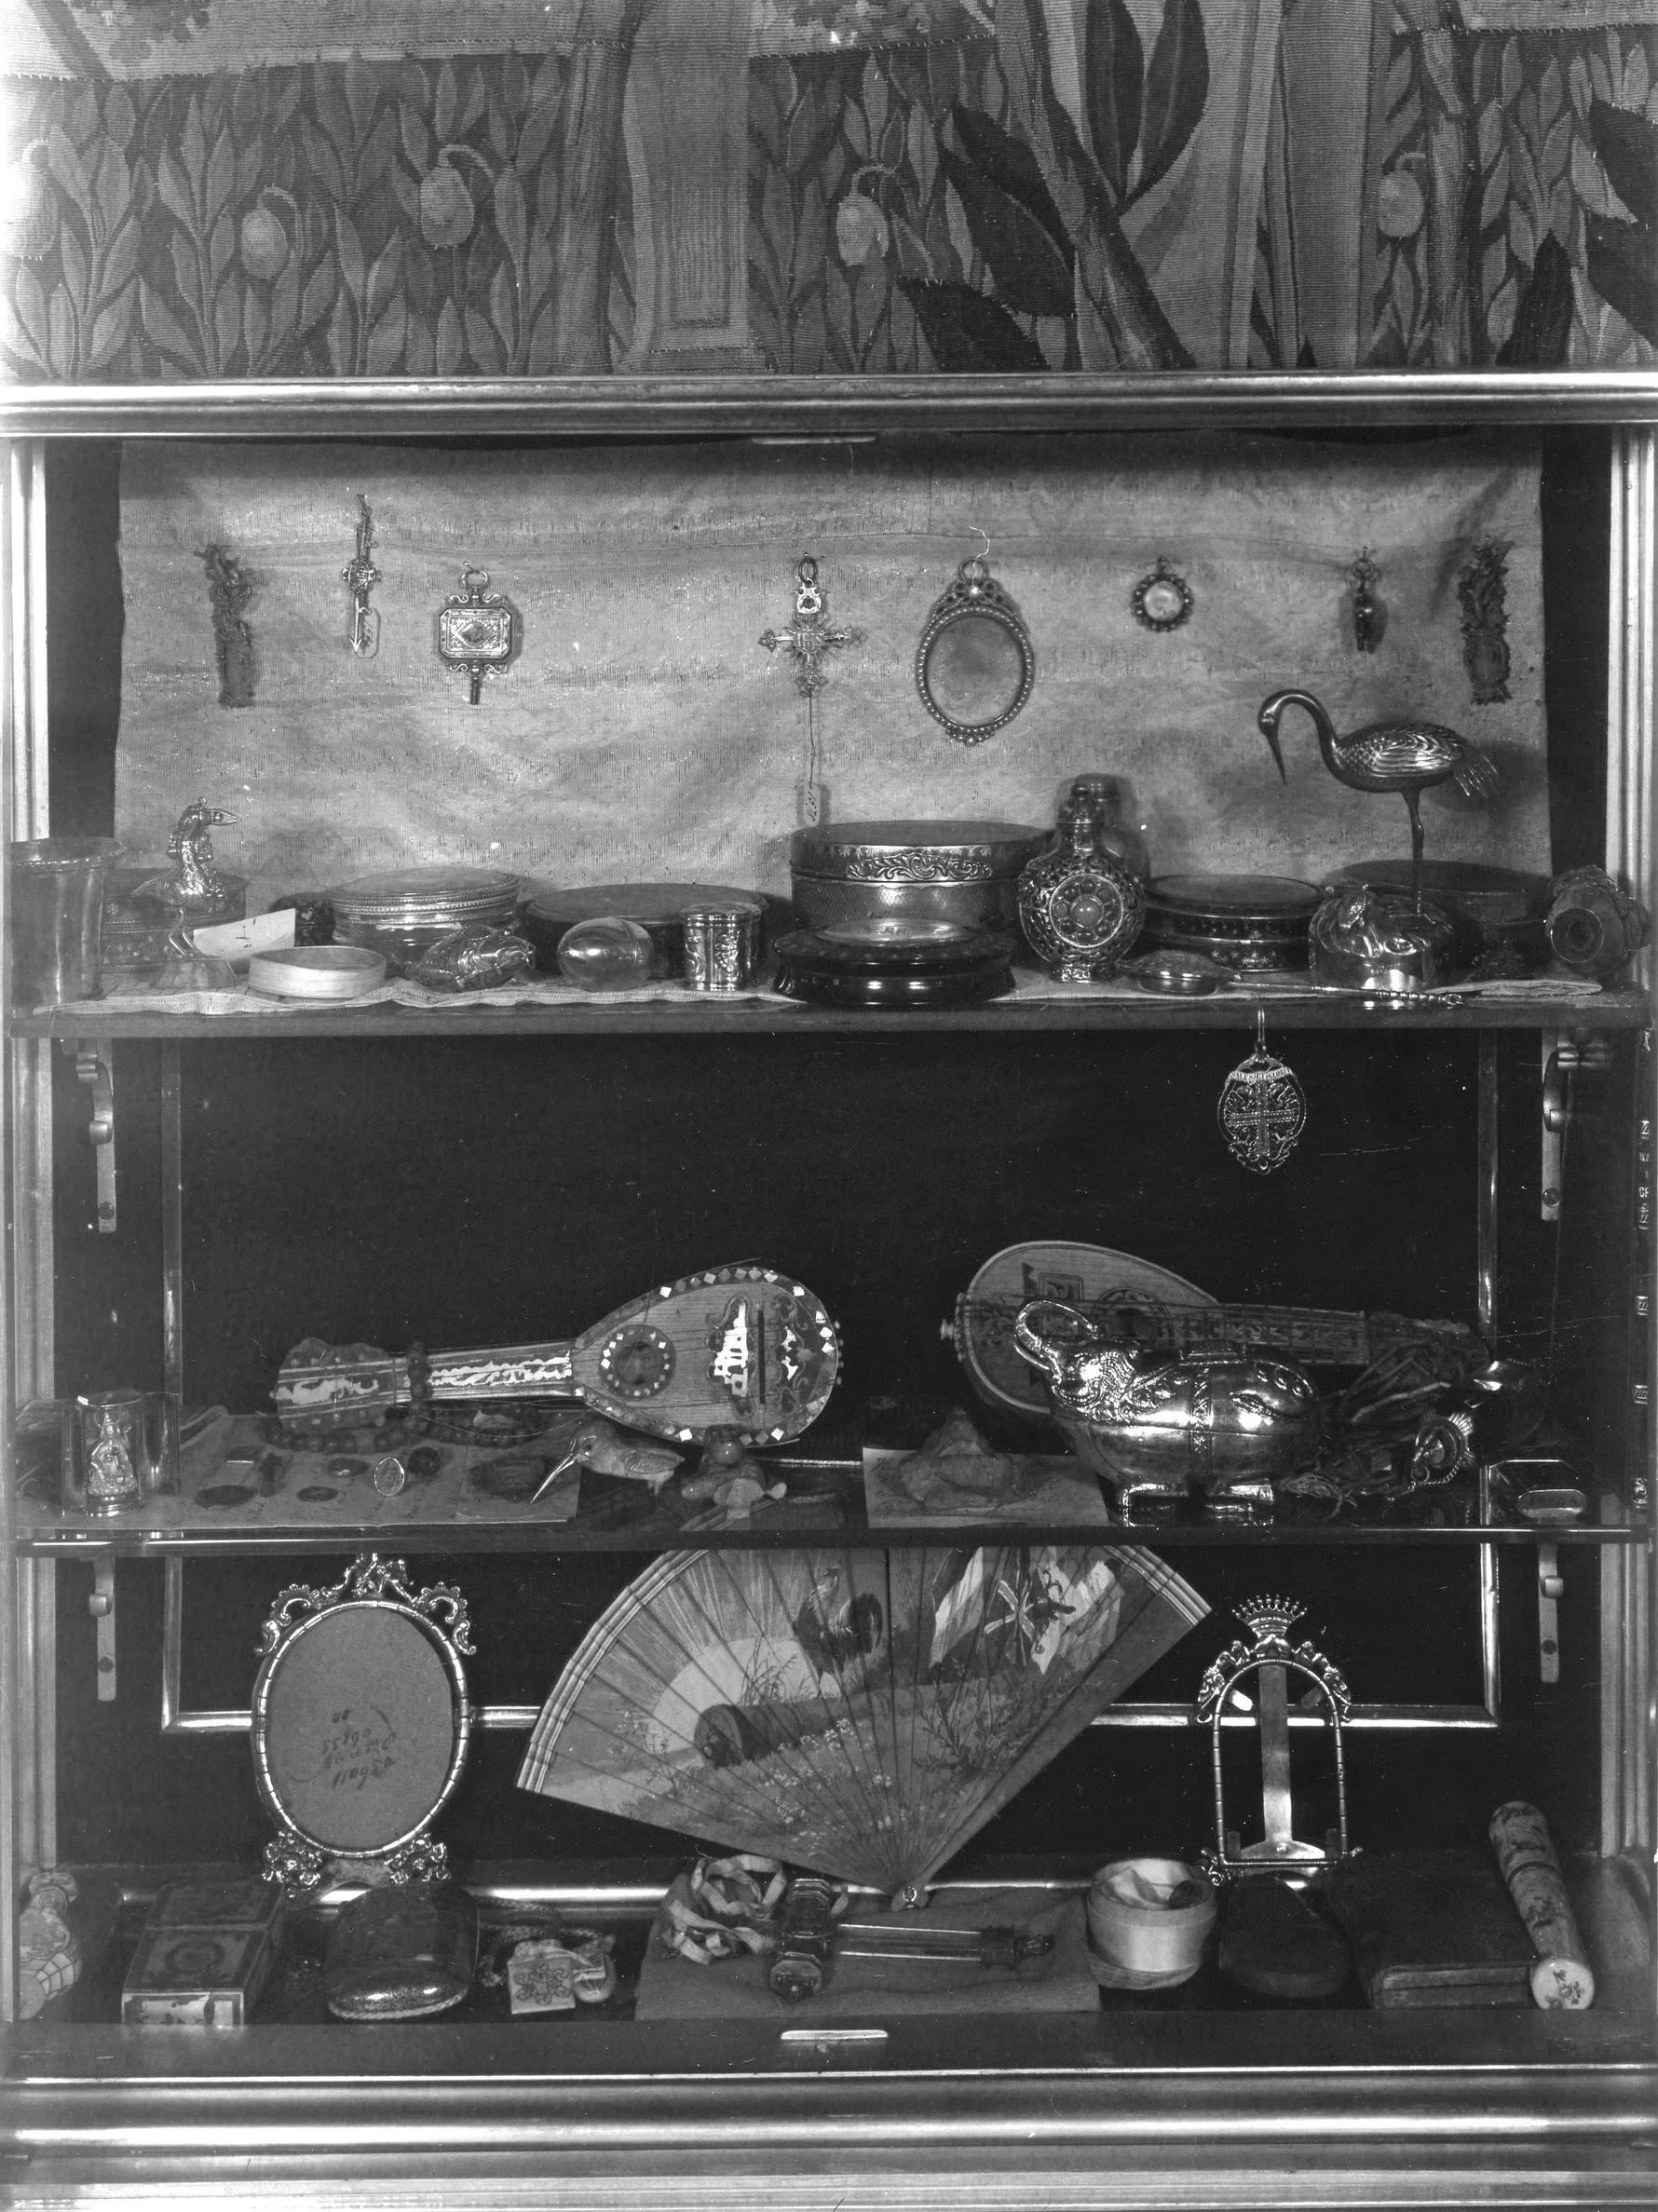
975 664
360 1724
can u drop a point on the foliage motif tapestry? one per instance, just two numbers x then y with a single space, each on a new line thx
232 188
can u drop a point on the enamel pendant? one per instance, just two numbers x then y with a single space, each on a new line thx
1263 1109
475 632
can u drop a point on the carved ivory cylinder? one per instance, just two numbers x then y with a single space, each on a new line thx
1561 1979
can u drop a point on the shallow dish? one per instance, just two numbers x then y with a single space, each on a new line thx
962 968
317 971
895 932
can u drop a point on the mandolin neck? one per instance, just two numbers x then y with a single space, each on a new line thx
509 1371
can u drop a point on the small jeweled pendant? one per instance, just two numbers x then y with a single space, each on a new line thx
360 576
1369 617
1163 600
475 630
1263 1109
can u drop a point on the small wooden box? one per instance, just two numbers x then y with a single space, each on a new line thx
206 1951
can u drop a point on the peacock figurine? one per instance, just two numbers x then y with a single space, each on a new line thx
1408 757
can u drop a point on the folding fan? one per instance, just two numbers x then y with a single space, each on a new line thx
858 1712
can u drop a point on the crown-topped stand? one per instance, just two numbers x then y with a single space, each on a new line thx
1277 1940
1271 1654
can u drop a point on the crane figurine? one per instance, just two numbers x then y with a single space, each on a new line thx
1408 757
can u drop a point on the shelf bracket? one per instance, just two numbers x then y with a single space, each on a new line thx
102 1605
1551 1588
94 1064
1564 1056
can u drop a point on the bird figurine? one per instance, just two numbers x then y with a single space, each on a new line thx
1408 757
601 1446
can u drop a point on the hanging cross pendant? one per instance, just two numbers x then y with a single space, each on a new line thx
811 636
359 576
475 630
1263 1109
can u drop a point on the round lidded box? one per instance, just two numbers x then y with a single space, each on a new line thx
402 912
961 871
1250 923
1493 912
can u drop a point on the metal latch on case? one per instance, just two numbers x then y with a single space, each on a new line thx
1563 1057
1551 1588
1542 1491
95 1066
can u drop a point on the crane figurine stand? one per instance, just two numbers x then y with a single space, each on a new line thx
1276 1940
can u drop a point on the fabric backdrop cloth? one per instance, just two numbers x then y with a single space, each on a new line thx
642 733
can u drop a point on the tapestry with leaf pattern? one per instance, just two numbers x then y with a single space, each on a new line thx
235 189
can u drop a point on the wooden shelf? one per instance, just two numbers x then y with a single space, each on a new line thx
1625 1009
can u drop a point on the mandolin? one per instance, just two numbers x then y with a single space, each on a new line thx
738 1348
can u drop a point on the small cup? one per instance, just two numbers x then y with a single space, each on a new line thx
722 945
57 893
120 1449
1136 1932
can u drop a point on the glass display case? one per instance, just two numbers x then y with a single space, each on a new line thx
200 1184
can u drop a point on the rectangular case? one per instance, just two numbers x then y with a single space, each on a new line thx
1434 1928
205 1954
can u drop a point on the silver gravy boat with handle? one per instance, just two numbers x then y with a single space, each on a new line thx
1222 1424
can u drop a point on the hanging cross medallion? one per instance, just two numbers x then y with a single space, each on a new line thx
1263 1109
811 636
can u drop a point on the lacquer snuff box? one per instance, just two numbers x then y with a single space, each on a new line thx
1252 924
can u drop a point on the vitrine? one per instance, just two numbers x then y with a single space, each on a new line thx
488 1174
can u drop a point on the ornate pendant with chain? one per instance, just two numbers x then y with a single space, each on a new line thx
1263 1109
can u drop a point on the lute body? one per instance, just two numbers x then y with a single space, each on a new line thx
739 1349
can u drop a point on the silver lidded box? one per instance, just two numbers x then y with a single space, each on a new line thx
403 912
961 871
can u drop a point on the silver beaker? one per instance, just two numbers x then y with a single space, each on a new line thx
57 918
120 1449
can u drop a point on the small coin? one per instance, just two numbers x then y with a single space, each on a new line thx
389 1475
225 1494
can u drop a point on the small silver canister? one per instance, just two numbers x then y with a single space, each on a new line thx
722 945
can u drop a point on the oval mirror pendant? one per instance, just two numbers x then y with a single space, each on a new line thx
1263 1109
974 665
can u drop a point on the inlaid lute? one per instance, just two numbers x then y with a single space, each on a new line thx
741 1348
